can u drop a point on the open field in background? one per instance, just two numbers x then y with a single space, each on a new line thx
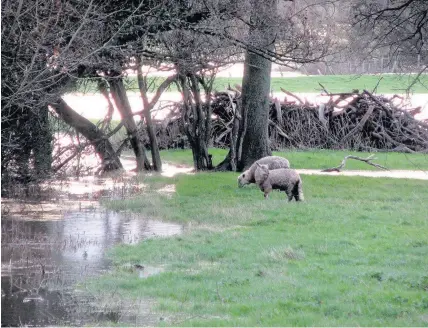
354 253
316 159
86 101
390 83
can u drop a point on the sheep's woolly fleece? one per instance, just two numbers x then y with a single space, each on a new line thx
273 162
287 180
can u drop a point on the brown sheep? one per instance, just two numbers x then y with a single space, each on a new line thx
273 162
287 180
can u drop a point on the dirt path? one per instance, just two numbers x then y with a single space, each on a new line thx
400 174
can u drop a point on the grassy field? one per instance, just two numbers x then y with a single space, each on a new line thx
390 83
316 159
354 253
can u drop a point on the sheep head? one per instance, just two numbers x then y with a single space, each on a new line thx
262 173
243 179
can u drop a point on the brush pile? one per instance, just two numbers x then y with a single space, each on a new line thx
355 120
358 121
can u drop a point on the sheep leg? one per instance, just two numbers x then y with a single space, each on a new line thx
289 193
299 194
267 190
295 191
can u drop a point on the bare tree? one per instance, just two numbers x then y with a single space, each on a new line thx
48 46
104 149
279 32
256 84
399 28
144 35
42 45
148 105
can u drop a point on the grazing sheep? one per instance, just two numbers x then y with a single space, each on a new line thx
273 162
287 180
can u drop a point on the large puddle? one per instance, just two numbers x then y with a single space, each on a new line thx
50 248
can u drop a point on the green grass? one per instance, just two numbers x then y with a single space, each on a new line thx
354 253
317 159
390 83
338 83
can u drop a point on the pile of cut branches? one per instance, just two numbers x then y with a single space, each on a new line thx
355 120
359 121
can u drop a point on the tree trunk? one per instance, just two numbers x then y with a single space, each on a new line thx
256 87
193 122
238 130
118 92
96 137
154 147
43 145
255 103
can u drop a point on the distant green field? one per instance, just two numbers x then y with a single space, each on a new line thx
390 83
316 159
341 83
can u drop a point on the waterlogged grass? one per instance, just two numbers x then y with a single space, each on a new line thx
390 83
353 254
317 159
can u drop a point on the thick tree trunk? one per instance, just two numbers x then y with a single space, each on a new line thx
118 92
255 101
201 157
249 136
256 85
96 137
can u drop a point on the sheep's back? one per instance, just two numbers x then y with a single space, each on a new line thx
283 177
273 162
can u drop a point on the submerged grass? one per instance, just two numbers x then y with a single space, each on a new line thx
317 159
353 254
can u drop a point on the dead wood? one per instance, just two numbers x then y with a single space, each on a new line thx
292 95
367 160
360 124
365 122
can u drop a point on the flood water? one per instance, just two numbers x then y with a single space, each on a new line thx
50 248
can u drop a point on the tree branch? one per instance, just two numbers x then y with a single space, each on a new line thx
367 160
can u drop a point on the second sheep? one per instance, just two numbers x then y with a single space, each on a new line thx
287 180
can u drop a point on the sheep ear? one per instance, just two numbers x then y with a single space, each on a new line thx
258 164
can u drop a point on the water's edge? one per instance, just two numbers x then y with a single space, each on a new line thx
49 247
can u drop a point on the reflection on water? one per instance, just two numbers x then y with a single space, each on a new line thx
47 248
